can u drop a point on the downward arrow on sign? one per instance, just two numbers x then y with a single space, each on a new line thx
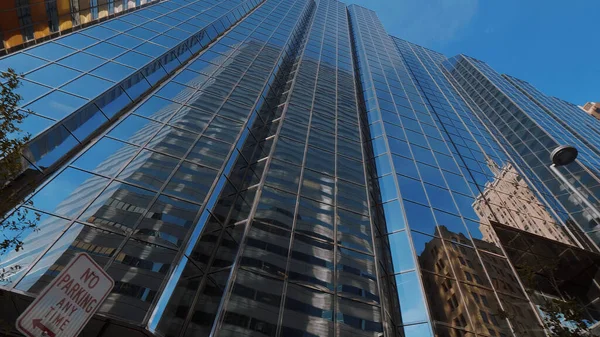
37 323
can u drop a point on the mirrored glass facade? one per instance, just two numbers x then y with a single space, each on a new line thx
287 168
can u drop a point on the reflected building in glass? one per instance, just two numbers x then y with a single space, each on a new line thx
287 168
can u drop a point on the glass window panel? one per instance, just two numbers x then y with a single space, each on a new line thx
430 174
315 219
113 71
266 249
276 207
101 245
318 186
99 32
165 41
191 119
394 217
141 33
50 51
76 41
209 152
118 207
177 34
113 101
53 75
283 176
354 230
87 86
172 141
30 91
157 108
223 129
440 198
207 304
183 295
125 41
356 275
151 49
20 63
191 78
175 92
444 293
85 122
412 189
133 59
118 24
32 125
49 147
82 61
135 85
402 256
136 130
289 150
154 73
105 50
312 263
132 296
419 217
405 166
253 302
167 222
410 296
387 186
352 197
68 192
357 318
149 169
321 161
45 228
424 330
56 105
106 157
191 182
307 312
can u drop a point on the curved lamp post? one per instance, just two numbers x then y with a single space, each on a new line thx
564 155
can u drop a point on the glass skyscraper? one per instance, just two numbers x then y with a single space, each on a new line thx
287 168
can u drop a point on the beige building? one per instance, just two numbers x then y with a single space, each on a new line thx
593 108
511 202
459 289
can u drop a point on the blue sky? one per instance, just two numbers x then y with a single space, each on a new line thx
552 44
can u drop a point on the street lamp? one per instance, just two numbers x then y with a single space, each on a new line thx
564 155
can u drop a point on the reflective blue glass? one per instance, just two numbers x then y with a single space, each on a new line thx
106 157
410 296
83 123
133 59
56 105
29 91
77 41
113 71
20 63
50 51
402 255
157 108
105 50
87 86
99 32
82 61
53 75
32 125
68 192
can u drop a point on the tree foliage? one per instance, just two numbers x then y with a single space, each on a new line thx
563 316
12 143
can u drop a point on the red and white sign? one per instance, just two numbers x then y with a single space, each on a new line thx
65 306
